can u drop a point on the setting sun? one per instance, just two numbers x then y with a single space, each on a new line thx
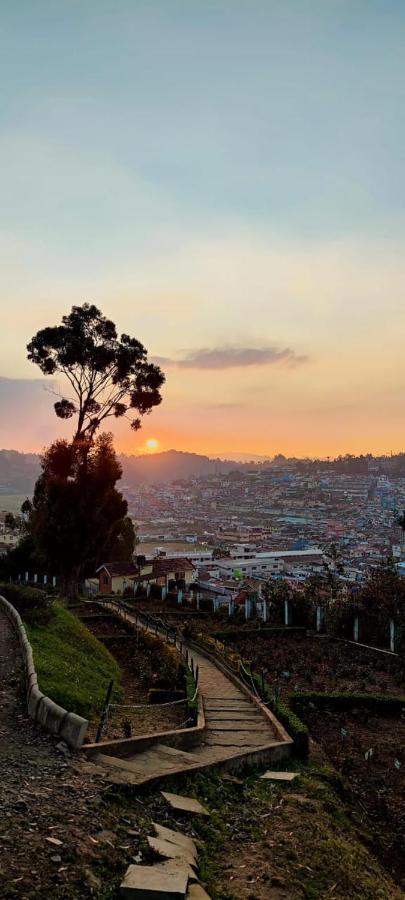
151 445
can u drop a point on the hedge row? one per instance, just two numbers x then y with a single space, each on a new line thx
259 632
381 704
297 730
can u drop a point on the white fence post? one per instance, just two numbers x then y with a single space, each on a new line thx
356 628
392 635
286 612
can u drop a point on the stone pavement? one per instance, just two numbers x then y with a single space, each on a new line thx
235 726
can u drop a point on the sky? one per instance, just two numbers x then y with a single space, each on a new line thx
225 180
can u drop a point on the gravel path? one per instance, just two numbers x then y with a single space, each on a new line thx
52 814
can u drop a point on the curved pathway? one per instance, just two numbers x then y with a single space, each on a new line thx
238 727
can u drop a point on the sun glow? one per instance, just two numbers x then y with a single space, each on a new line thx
151 445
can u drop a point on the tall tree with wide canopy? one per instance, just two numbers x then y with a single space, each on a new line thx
109 376
78 518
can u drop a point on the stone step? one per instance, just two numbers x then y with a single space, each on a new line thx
233 715
180 755
238 738
241 725
143 763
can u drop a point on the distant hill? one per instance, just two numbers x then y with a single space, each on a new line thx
19 471
171 466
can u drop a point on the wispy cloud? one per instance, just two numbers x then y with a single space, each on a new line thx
229 357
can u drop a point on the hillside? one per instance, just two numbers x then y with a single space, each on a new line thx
19 471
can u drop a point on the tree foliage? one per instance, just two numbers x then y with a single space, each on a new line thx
109 376
78 517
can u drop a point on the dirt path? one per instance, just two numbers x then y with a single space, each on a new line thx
51 813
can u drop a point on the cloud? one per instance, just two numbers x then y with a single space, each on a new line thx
234 358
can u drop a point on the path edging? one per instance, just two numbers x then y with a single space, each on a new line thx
53 718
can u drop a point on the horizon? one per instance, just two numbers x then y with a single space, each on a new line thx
225 183
234 456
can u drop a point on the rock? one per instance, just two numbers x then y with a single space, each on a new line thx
280 776
185 804
175 837
154 883
171 851
197 892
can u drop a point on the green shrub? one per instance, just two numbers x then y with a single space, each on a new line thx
380 704
34 606
297 730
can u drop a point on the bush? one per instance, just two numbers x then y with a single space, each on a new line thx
343 701
297 730
32 604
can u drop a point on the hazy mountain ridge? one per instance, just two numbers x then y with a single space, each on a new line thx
19 471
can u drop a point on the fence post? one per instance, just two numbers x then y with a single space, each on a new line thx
264 609
45 579
26 576
318 618
286 612
392 635
356 628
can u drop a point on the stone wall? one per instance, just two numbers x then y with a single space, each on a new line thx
56 720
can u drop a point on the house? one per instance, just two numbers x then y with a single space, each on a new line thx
114 578
168 574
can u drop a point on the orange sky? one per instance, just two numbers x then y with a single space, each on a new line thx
225 181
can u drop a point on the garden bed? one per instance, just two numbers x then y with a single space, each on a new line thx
149 669
374 781
296 662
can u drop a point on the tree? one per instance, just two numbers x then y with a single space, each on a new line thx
109 376
78 518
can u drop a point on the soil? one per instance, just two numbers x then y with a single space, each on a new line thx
141 666
67 835
297 662
374 782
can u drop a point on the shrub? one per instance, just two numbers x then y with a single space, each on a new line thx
381 705
297 730
32 604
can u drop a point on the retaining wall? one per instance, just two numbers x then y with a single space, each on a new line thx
55 719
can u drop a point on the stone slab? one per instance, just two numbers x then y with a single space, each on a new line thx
185 804
168 850
280 776
239 738
241 725
154 883
177 754
175 837
197 892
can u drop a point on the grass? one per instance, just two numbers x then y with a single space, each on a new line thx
298 838
73 667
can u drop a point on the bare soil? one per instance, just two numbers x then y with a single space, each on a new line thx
143 666
297 662
369 752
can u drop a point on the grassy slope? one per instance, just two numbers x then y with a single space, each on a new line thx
73 667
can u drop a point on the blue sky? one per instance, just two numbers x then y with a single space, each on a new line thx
213 174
